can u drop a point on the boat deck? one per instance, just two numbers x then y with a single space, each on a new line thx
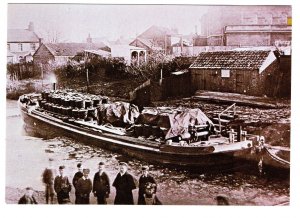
213 145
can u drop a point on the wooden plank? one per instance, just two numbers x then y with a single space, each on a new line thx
113 130
222 120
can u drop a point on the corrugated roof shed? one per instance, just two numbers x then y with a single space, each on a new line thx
230 60
71 49
20 35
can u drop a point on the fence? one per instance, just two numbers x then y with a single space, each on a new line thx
21 71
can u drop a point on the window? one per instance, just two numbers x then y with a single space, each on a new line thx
8 47
32 46
20 47
225 73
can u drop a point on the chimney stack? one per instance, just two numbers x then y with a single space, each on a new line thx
89 39
31 26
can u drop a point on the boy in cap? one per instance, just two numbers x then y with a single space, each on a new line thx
101 185
28 197
84 187
221 200
76 177
150 197
124 184
48 180
62 187
143 181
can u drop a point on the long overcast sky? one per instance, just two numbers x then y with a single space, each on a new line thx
74 22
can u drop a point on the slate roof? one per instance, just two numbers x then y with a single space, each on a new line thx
99 52
156 31
230 60
147 42
21 35
71 49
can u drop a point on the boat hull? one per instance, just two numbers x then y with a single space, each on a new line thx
201 161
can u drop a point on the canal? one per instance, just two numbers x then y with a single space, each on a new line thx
27 155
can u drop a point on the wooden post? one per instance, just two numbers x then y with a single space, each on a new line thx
87 80
41 65
161 77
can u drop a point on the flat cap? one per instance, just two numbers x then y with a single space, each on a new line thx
29 188
51 159
79 165
101 163
61 167
145 168
123 164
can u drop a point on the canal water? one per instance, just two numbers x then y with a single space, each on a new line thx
27 155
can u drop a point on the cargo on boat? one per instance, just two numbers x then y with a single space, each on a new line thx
171 136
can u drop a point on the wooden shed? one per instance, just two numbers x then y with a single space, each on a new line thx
251 72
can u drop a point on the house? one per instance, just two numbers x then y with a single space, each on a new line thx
21 44
147 44
11 58
98 53
251 72
131 54
182 48
156 37
246 25
60 53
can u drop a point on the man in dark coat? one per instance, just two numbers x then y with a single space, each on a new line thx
76 177
124 184
101 185
144 179
48 180
84 188
28 197
62 187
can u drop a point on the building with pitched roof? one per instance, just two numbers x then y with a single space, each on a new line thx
60 53
251 72
245 25
155 38
21 44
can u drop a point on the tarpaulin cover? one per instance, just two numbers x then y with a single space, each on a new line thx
175 123
119 113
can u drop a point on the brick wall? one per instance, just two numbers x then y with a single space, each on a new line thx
248 39
42 55
256 39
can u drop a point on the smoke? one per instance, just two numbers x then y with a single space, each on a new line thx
50 78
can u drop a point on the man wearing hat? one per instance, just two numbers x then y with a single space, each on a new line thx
76 177
84 188
221 200
143 181
48 180
28 197
124 184
101 185
62 187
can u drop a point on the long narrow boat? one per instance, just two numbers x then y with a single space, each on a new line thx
213 153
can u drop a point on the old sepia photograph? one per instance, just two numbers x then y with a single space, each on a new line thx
119 104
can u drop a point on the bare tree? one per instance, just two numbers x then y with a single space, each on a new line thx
51 35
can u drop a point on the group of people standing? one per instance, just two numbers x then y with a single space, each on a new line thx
100 186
